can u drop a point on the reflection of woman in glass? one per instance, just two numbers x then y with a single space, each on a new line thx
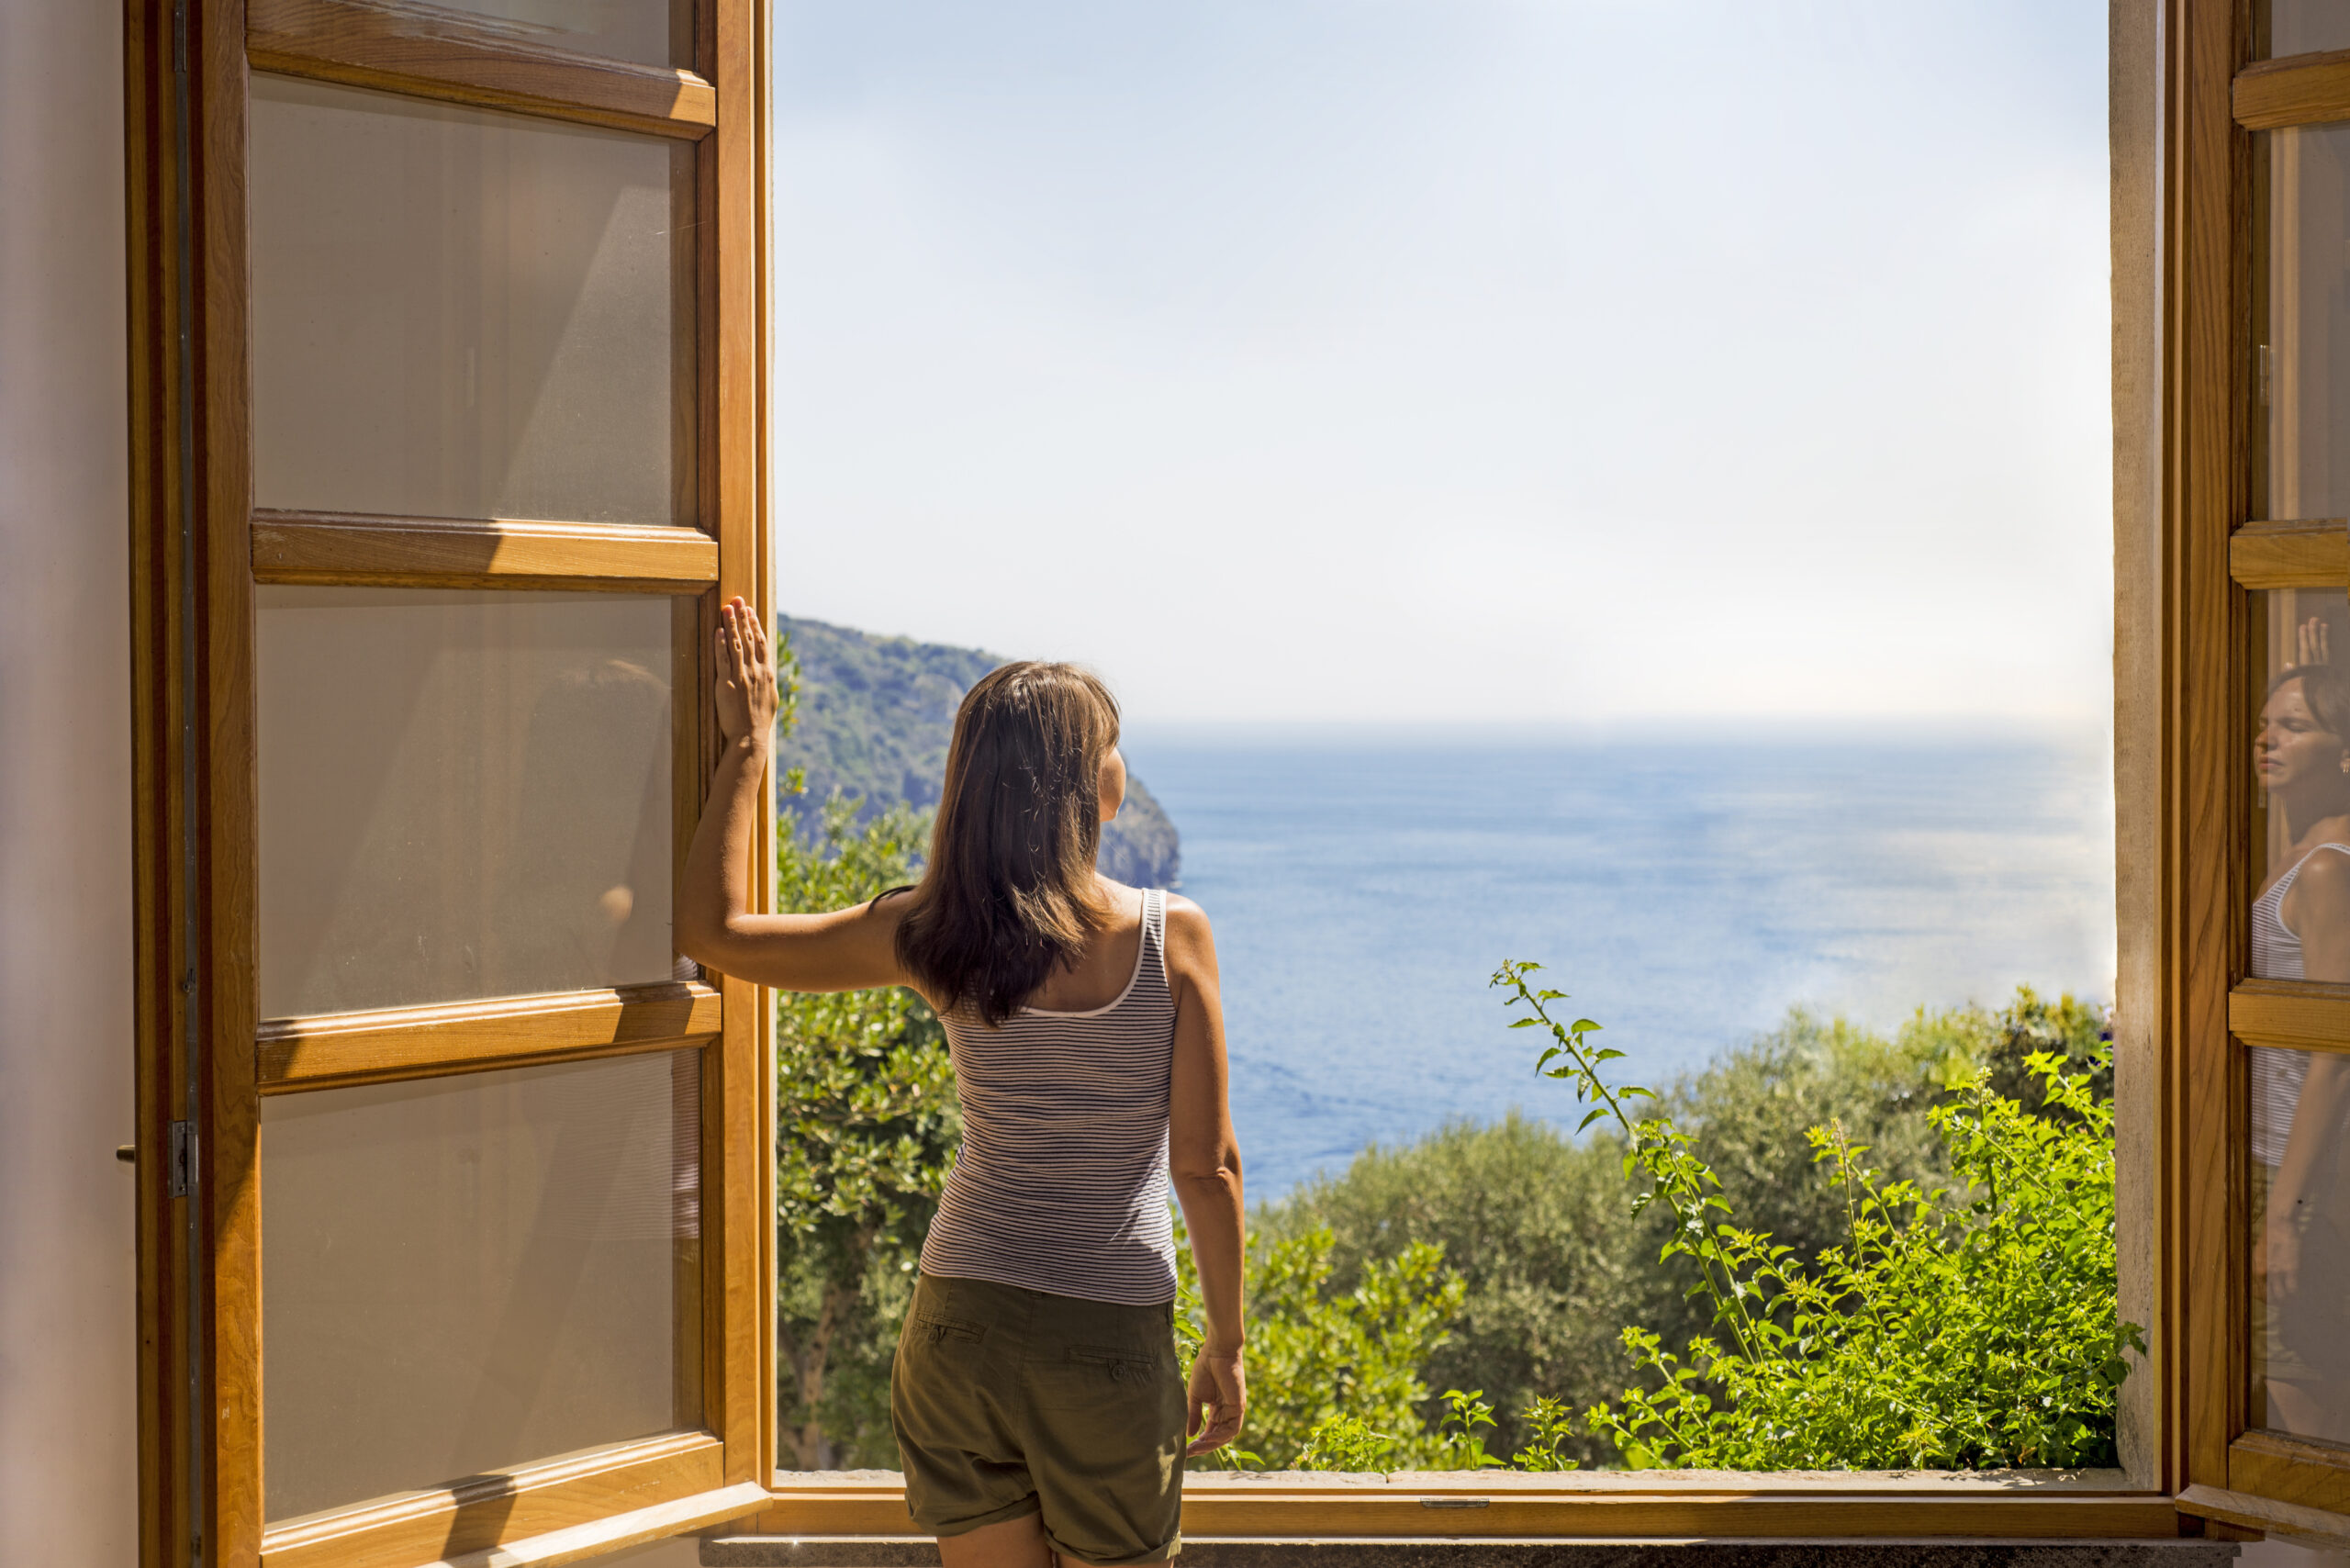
2300 930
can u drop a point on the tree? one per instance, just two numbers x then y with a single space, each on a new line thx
867 1127
1319 1356
1555 1261
1961 1327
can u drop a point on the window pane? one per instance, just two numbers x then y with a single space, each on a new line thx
461 313
650 32
2306 374
465 1274
2300 1284
463 795
2301 770
2307 26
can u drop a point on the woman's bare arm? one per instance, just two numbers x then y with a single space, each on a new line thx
1204 1160
846 949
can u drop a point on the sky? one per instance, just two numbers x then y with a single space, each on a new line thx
1355 362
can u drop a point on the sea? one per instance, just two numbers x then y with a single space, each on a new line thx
1364 886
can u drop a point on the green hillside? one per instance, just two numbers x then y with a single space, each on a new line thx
875 716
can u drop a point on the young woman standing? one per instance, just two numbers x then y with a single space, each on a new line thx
1039 1408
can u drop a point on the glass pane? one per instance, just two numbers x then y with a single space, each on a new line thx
2301 769
2300 1282
2306 371
2307 26
463 795
650 32
465 1274
460 313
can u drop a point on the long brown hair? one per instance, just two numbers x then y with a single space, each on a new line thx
1009 893
2324 688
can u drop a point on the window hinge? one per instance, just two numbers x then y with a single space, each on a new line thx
180 1174
179 37
2268 371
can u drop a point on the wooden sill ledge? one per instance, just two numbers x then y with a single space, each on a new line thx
919 1552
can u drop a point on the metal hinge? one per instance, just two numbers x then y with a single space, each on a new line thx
179 1175
179 38
2267 372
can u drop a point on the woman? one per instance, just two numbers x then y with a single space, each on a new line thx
1038 1405
2300 930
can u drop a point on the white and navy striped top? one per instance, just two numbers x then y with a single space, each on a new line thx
1061 1184
2278 1074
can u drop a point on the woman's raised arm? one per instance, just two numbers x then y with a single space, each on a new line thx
846 949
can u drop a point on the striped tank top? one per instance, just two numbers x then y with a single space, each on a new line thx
1061 1182
2278 1074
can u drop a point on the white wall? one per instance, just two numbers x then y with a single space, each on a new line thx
68 1411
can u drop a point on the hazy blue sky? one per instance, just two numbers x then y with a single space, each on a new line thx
1456 359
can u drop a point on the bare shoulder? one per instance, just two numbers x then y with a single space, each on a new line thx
1184 915
2325 878
1191 943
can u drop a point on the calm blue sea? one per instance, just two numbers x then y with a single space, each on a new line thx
1363 889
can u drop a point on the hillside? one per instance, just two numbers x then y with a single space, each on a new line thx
875 716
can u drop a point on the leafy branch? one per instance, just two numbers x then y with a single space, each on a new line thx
1686 1184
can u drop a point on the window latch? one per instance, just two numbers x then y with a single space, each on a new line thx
180 1172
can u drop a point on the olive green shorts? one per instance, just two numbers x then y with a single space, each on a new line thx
2298 1339
1009 1402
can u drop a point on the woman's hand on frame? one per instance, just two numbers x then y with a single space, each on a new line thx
1218 1399
747 687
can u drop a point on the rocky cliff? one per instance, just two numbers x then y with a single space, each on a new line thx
875 717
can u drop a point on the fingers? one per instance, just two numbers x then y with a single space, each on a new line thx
1218 1433
2310 638
732 661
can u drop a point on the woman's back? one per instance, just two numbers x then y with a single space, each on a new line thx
1061 1185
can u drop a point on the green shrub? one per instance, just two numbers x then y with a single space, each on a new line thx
1332 1373
866 1125
1952 1327
1555 1261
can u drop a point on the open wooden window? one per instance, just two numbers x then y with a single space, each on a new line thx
452 365
2255 451
447 410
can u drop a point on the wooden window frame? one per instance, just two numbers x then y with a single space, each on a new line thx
200 550
2234 1472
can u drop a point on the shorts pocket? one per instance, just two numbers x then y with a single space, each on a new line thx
939 1330
1115 1365
1101 1377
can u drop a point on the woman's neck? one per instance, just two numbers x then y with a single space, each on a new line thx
2323 827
